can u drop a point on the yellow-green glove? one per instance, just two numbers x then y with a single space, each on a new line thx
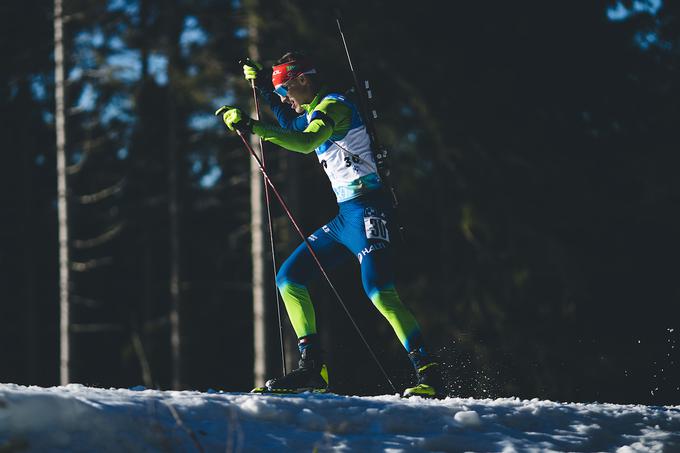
254 73
233 118
251 69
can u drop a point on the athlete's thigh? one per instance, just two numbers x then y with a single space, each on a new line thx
367 227
367 234
300 267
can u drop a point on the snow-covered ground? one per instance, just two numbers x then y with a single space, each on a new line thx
76 418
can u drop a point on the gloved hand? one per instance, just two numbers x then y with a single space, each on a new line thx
253 71
233 118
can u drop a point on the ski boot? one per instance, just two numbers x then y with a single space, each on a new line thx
310 376
430 384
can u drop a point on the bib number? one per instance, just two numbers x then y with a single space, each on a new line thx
376 228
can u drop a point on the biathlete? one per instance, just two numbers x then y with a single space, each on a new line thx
313 118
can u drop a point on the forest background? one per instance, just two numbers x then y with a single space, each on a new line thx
534 153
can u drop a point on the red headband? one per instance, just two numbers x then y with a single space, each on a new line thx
282 73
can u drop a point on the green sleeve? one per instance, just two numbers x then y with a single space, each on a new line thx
316 133
338 112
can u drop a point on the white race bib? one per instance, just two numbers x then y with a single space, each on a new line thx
376 228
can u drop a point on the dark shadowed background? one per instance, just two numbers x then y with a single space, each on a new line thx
535 152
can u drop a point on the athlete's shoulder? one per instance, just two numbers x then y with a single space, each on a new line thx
335 105
339 97
345 98
335 96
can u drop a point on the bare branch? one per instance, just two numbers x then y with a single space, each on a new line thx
86 301
89 147
143 360
84 266
99 240
95 328
104 193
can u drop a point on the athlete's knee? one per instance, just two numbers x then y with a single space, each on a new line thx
283 275
376 276
386 299
289 272
280 279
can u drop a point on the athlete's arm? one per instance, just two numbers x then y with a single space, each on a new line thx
317 132
325 118
286 116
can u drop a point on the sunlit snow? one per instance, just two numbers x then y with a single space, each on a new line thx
76 418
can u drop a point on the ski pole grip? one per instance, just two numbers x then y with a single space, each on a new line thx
246 61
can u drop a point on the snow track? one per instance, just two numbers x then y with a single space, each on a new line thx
76 418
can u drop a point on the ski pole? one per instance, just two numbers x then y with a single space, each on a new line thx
270 224
284 205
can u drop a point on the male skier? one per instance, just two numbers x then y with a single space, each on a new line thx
313 118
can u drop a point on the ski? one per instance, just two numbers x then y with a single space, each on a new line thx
306 392
302 391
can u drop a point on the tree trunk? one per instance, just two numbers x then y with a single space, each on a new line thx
173 29
62 203
175 297
265 328
174 208
29 264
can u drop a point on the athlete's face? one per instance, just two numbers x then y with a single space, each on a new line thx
299 92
